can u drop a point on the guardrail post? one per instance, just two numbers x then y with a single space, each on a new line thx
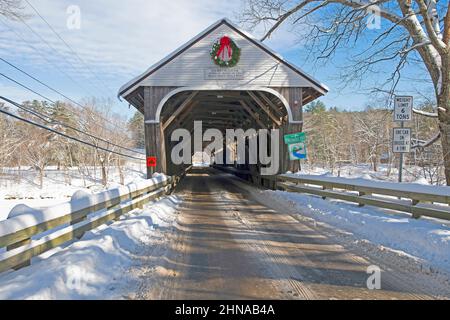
414 214
81 219
18 245
361 194
82 215
77 221
324 189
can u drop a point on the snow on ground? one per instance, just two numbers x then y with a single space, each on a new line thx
59 186
411 174
96 266
406 187
427 240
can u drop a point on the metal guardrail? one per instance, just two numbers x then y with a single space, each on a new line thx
399 197
32 233
430 201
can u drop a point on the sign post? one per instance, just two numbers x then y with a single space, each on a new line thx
403 111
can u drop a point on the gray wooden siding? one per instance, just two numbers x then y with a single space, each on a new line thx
260 68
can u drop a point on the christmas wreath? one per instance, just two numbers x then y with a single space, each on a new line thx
225 52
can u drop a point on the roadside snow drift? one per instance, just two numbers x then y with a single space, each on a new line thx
96 266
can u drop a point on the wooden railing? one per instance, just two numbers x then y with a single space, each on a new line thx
419 201
32 233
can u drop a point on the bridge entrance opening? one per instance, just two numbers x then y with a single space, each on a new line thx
222 80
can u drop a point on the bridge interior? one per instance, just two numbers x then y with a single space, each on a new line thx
222 110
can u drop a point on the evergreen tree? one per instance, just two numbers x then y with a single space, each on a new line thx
316 107
136 126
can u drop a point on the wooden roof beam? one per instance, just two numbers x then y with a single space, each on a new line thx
271 104
252 114
265 108
186 104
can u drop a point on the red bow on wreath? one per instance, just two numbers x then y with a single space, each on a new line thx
225 51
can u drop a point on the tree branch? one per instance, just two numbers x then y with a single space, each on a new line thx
427 143
284 16
426 114
12 9
438 43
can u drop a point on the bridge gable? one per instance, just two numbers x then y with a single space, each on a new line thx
192 65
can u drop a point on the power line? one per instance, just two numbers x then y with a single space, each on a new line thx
46 98
67 45
43 56
57 68
42 83
54 90
66 135
28 88
53 121
50 46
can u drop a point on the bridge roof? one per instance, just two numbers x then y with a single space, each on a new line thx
137 81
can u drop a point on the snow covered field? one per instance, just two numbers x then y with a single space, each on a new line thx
411 174
59 186
96 267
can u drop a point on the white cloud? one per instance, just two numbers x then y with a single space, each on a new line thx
117 39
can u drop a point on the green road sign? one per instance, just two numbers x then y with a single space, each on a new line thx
295 138
297 151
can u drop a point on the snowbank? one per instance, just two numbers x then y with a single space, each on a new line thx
407 187
79 202
59 185
96 266
411 174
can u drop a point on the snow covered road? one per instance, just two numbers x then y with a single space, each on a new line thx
227 245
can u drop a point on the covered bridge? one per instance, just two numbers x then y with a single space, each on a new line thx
227 79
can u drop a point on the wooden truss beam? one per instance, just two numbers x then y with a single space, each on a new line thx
186 104
265 108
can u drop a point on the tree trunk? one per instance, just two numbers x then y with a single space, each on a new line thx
444 126
104 173
41 178
121 176
445 136
444 116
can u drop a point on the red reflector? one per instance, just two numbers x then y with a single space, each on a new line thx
151 162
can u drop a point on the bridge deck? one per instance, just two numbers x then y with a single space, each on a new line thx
226 245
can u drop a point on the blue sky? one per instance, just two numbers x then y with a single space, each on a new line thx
119 40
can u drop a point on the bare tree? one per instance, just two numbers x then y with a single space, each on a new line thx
100 122
12 9
413 30
370 127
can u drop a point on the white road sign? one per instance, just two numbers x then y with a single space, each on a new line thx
402 140
403 108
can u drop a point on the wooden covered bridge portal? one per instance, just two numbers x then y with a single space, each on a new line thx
226 79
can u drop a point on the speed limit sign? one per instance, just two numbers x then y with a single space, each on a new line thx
403 108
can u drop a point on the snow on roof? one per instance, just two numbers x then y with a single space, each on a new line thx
135 81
